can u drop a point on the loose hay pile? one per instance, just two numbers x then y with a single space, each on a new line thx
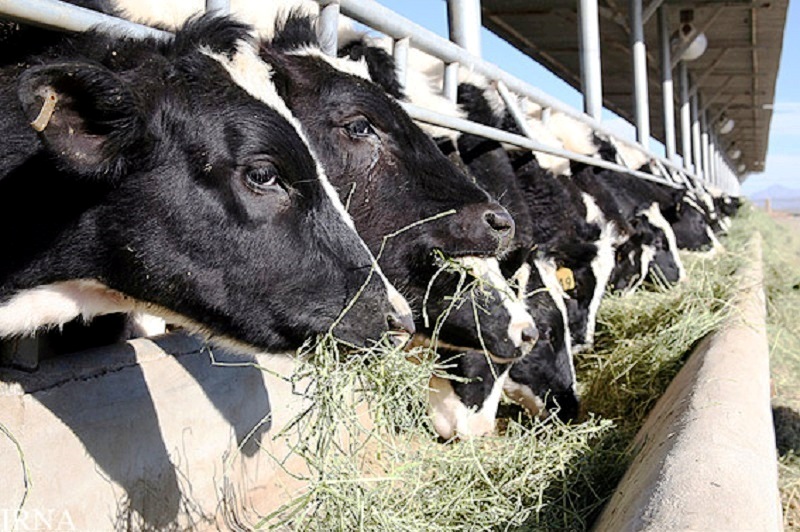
376 464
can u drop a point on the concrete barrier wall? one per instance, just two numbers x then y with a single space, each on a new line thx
148 434
705 459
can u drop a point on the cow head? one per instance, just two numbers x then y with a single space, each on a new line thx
170 178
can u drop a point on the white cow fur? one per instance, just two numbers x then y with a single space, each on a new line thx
173 13
521 393
602 265
488 270
654 216
452 418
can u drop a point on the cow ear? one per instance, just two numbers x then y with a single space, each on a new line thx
380 64
281 73
85 115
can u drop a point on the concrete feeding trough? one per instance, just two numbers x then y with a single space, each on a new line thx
705 458
147 434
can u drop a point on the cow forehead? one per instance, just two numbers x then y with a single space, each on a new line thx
252 74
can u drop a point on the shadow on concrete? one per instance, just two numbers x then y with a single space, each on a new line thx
787 429
117 422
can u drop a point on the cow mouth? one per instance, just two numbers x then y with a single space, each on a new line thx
423 340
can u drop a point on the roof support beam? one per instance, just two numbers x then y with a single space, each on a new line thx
589 43
639 55
650 10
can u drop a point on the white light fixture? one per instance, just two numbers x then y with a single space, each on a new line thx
696 48
735 154
742 168
725 125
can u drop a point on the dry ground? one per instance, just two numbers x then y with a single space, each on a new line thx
784 335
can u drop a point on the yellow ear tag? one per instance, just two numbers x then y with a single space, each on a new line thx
566 278
46 112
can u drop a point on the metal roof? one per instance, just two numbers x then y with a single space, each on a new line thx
735 76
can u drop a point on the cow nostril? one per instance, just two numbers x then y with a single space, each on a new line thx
402 323
530 334
499 220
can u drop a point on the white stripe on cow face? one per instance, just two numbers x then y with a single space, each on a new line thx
251 73
602 266
547 271
452 418
348 66
654 216
488 269
646 258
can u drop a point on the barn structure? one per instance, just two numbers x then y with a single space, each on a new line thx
698 76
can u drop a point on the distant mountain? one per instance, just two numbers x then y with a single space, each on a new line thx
776 192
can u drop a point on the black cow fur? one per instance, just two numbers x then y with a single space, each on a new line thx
145 183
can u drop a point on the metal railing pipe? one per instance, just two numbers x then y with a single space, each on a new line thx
641 105
53 14
438 119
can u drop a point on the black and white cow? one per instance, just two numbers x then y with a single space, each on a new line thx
394 176
543 381
126 186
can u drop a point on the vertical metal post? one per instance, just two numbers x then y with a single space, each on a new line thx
400 53
686 128
696 150
450 89
222 7
667 90
712 160
589 43
546 113
464 20
639 55
704 146
329 28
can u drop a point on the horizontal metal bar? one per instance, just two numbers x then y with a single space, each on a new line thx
53 14
437 119
382 19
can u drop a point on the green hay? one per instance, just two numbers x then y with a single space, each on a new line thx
396 475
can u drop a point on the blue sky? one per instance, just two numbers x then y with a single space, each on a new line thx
783 155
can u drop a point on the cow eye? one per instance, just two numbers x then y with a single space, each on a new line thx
360 128
262 177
